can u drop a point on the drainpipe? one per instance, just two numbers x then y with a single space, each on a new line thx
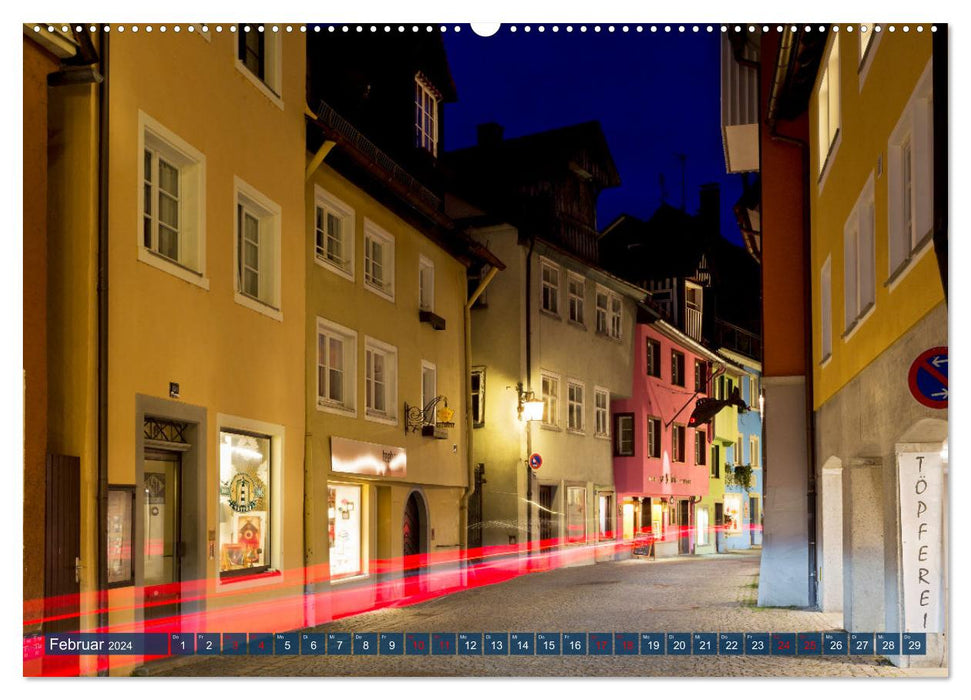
939 117
529 387
102 292
470 461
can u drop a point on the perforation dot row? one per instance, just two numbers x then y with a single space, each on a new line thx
289 28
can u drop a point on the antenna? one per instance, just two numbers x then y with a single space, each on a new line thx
683 158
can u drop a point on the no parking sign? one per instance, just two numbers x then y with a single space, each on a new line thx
928 378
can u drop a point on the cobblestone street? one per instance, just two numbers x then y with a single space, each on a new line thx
702 594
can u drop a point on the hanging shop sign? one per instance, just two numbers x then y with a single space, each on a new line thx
921 539
367 458
928 378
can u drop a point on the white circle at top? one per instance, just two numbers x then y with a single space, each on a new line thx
485 28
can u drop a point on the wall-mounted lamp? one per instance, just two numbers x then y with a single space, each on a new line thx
530 408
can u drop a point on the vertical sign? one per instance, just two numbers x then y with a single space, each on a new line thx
921 536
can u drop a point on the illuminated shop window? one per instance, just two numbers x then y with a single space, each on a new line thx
344 530
576 514
244 503
733 513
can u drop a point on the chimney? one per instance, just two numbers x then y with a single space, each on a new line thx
489 134
709 210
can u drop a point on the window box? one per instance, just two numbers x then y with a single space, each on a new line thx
433 319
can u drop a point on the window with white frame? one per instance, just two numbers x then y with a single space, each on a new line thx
653 437
345 520
172 180
701 376
257 248
701 447
653 358
575 291
624 434
677 368
828 103
426 115
677 443
859 262
551 399
426 284
574 407
380 380
910 166
478 397
429 389
739 459
336 367
259 54
603 309
616 317
601 412
551 288
334 233
245 517
378 260
753 392
755 452
826 309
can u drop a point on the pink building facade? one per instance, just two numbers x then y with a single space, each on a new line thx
661 465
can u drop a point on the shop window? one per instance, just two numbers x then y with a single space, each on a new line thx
344 508
576 514
733 514
244 503
334 234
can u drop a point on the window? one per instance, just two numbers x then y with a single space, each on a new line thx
426 115
677 368
826 310
171 188
755 452
336 367
859 283
753 392
624 434
259 58
551 398
344 508
575 291
739 459
380 380
334 233
716 456
701 524
244 503
654 438
378 260
911 177
616 317
733 513
429 389
603 304
478 397
551 288
601 400
576 514
828 104
653 358
677 443
701 447
257 251
605 513
866 38
574 407
426 284
701 376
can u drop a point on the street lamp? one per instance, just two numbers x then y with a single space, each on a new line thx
530 408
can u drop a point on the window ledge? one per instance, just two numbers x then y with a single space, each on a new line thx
350 579
602 436
550 314
379 418
258 306
574 431
859 321
908 263
336 409
380 291
578 325
264 578
261 86
553 428
334 267
183 273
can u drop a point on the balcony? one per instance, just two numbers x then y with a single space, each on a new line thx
692 322
740 101
732 337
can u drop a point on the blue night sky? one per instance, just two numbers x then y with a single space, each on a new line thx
655 95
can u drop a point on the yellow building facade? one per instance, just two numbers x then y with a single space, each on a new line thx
878 305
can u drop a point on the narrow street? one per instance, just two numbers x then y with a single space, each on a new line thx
714 593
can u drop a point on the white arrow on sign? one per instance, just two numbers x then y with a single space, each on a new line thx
938 361
942 394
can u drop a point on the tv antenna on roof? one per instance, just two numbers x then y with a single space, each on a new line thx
683 158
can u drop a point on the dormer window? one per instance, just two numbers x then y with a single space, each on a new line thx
426 115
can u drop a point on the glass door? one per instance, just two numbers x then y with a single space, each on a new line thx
162 533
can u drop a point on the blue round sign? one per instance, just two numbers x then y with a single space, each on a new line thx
928 378
535 461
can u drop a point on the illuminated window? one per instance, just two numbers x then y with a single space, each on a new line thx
551 399
575 407
426 115
732 513
828 104
244 503
344 508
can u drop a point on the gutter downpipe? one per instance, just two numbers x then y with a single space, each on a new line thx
102 292
529 387
785 52
470 460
